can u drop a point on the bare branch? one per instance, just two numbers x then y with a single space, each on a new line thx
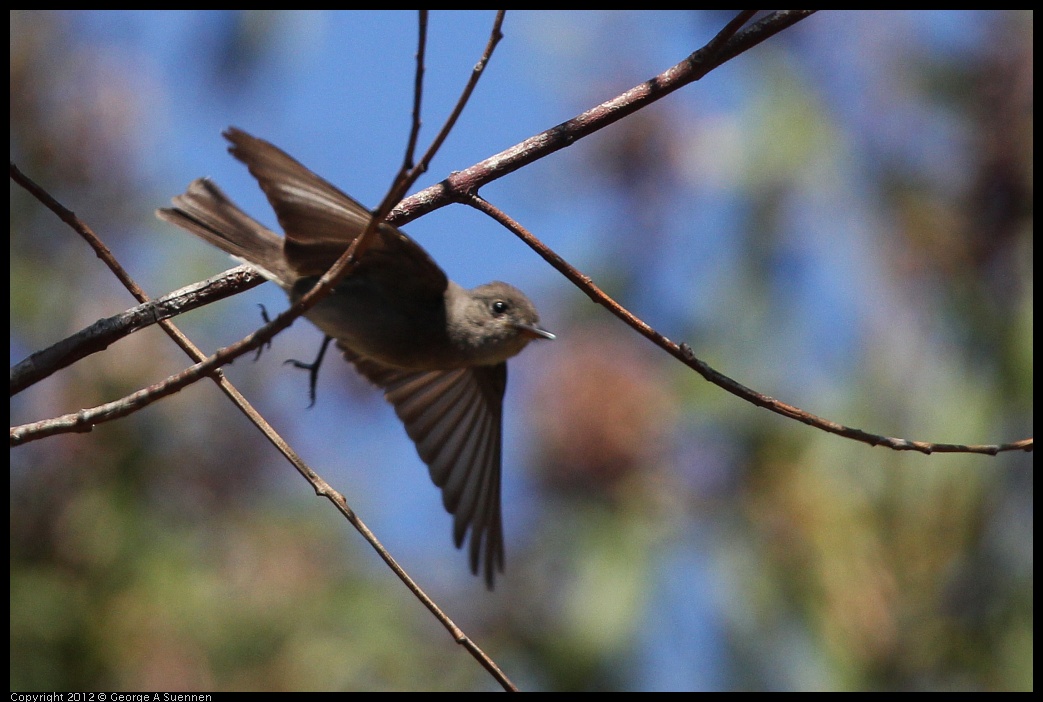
683 353
459 185
105 332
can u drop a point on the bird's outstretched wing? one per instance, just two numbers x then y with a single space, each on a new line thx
455 417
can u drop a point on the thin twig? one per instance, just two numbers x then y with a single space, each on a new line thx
418 92
476 73
406 180
683 353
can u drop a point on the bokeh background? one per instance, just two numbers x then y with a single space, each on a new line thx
840 218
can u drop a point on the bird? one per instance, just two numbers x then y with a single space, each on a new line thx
437 350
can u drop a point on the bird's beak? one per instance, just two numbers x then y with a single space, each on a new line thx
533 332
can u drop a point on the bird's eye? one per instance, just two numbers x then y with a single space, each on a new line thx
500 307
